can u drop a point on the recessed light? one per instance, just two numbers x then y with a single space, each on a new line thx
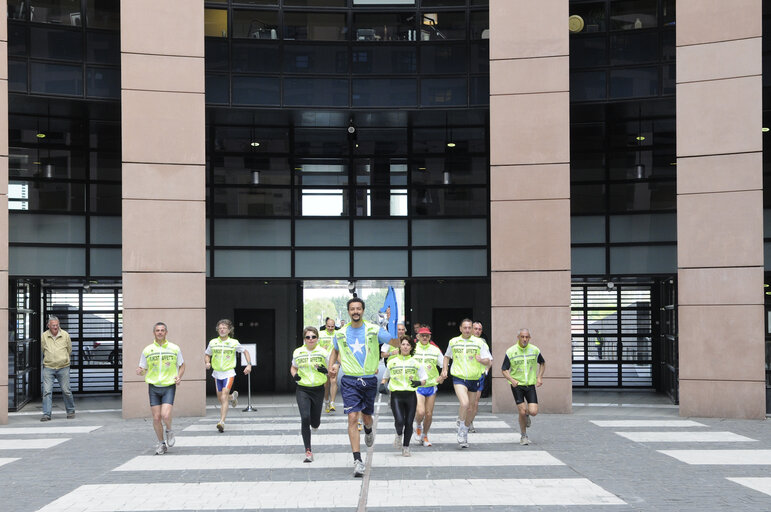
640 138
255 144
765 129
41 135
450 144
421 168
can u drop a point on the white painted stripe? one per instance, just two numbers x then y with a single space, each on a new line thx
648 423
4 461
48 430
420 458
634 406
762 484
30 444
80 412
685 437
722 457
209 496
341 439
327 425
324 418
414 494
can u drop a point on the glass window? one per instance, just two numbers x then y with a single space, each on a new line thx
245 232
252 263
327 92
661 227
381 171
587 230
103 82
253 201
46 261
587 199
380 202
449 201
103 14
634 83
105 199
431 232
380 263
105 166
105 262
632 14
105 230
56 79
239 139
314 26
256 2
479 24
17 10
217 89
668 79
315 59
384 92
655 195
479 90
60 12
384 60
442 3
440 26
434 140
255 24
440 92
239 169
215 23
321 263
587 260
587 166
44 163
656 259
17 75
455 262
48 229
634 47
462 169
321 232
250 90
587 85
49 196
322 3
588 51
56 44
390 26
479 58
103 47
318 142
593 15
216 55
322 202
446 58
255 57
17 40
379 232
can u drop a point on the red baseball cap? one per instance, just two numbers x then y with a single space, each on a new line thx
424 330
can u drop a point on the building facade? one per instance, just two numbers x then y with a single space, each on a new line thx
592 170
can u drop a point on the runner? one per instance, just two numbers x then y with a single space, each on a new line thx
469 357
330 386
220 356
519 368
309 370
476 330
430 357
404 374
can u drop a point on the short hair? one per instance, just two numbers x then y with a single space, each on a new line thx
351 301
228 323
524 329
411 342
467 320
160 323
477 322
312 329
52 318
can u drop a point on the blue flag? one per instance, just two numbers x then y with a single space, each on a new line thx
389 322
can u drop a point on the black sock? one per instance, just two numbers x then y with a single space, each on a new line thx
367 430
356 456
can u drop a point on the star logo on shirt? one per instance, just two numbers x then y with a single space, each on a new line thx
357 346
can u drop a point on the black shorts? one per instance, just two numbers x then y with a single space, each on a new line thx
522 393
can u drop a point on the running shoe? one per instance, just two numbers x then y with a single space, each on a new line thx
161 448
234 399
45 418
459 437
331 407
326 408
170 439
221 426
397 441
523 440
314 429
308 456
528 421
358 468
471 428
405 451
418 431
464 444
369 439
426 442
71 415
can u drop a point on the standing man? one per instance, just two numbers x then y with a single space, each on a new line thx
163 366
476 330
430 357
519 368
220 356
357 349
57 349
330 386
470 356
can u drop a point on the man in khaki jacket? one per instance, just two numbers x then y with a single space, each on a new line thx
57 349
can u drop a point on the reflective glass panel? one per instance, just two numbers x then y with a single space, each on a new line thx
253 201
315 59
322 202
255 24
56 44
390 26
56 79
384 92
633 14
103 14
638 82
314 26
255 57
249 90
449 201
103 82
445 58
103 47
217 89
215 22
329 92
383 60
58 12
443 92
441 26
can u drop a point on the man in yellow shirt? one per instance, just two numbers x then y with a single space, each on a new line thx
57 349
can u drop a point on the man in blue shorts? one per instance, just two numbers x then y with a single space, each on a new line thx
356 347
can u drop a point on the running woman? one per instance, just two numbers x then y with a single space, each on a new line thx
404 374
470 356
220 356
519 368
309 370
476 330
330 387
431 358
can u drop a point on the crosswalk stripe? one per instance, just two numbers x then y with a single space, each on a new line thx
684 437
337 460
331 439
49 430
30 444
326 425
762 484
722 457
6 460
324 418
648 423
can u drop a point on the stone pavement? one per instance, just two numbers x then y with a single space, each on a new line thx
618 451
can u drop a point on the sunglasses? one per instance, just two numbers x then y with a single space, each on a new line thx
311 337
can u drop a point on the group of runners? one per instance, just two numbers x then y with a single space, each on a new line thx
413 370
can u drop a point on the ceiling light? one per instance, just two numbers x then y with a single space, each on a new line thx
450 144
640 138
765 129
41 135
255 144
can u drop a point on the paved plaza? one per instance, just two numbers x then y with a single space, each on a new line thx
618 451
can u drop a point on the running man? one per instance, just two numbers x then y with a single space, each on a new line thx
476 330
519 368
330 386
431 358
357 350
162 365
309 370
470 356
220 356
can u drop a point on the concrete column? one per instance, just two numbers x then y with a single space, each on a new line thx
164 196
4 216
530 191
720 208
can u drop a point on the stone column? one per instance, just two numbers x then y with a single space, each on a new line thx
720 208
530 191
4 217
164 195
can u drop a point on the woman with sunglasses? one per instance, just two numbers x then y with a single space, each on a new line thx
309 370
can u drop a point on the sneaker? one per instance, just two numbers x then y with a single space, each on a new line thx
418 431
528 421
358 468
161 448
234 399
314 429
221 426
326 408
426 442
360 426
471 428
331 407
45 418
464 444
397 441
405 451
308 456
369 439
523 440
459 437
71 415
170 439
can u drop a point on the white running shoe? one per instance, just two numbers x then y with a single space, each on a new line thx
170 439
308 456
161 448
405 451
523 440
234 399
369 439
358 468
397 441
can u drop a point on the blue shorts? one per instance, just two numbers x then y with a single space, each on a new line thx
224 383
359 394
481 383
427 391
162 394
472 385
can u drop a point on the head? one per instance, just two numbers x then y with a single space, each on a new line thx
310 337
424 335
406 346
329 323
160 331
53 325
416 326
224 328
401 330
476 329
355 309
466 326
523 337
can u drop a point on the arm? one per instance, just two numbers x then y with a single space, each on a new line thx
334 363
484 355
142 366
445 365
541 371
248 368
180 373
507 375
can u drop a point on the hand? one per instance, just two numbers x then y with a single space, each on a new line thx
322 369
415 383
383 389
538 382
478 358
177 380
208 366
140 370
514 382
440 379
333 371
297 377
248 369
